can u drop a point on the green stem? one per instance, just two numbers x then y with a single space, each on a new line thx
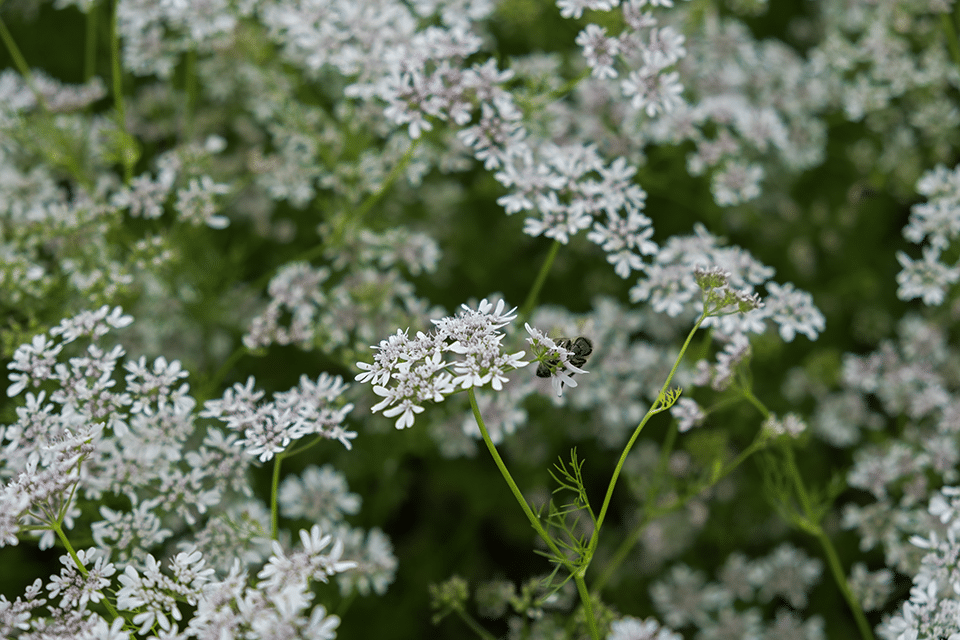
190 87
620 555
531 300
576 572
951 34
76 561
371 200
274 490
206 391
21 63
587 602
126 154
344 221
513 485
474 625
836 569
569 85
654 409
810 522
752 399
90 45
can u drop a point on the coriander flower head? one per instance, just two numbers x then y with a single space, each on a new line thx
462 352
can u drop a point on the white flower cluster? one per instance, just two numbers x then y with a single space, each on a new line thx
136 440
630 628
351 302
933 609
406 373
670 285
730 606
647 49
935 222
269 427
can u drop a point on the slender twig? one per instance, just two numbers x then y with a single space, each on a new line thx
531 300
21 63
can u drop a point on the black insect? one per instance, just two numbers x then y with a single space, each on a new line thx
581 348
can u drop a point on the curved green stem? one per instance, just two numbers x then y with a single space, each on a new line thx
620 555
372 199
657 407
343 222
513 485
810 521
577 572
473 624
836 569
21 63
211 383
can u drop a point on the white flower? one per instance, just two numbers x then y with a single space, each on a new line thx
406 373
927 279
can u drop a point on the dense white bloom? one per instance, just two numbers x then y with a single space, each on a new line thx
268 428
653 91
688 414
671 286
933 609
599 50
196 203
406 373
575 8
736 183
791 424
927 279
793 310
630 628
319 494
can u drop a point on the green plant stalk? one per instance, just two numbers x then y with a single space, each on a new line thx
344 220
206 390
473 624
274 491
118 91
811 524
654 409
620 555
531 300
577 572
836 569
951 35
82 569
190 87
371 200
586 600
21 63
510 482
90 45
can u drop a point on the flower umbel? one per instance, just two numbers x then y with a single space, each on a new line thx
406 372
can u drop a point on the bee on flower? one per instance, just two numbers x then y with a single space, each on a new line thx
559 359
